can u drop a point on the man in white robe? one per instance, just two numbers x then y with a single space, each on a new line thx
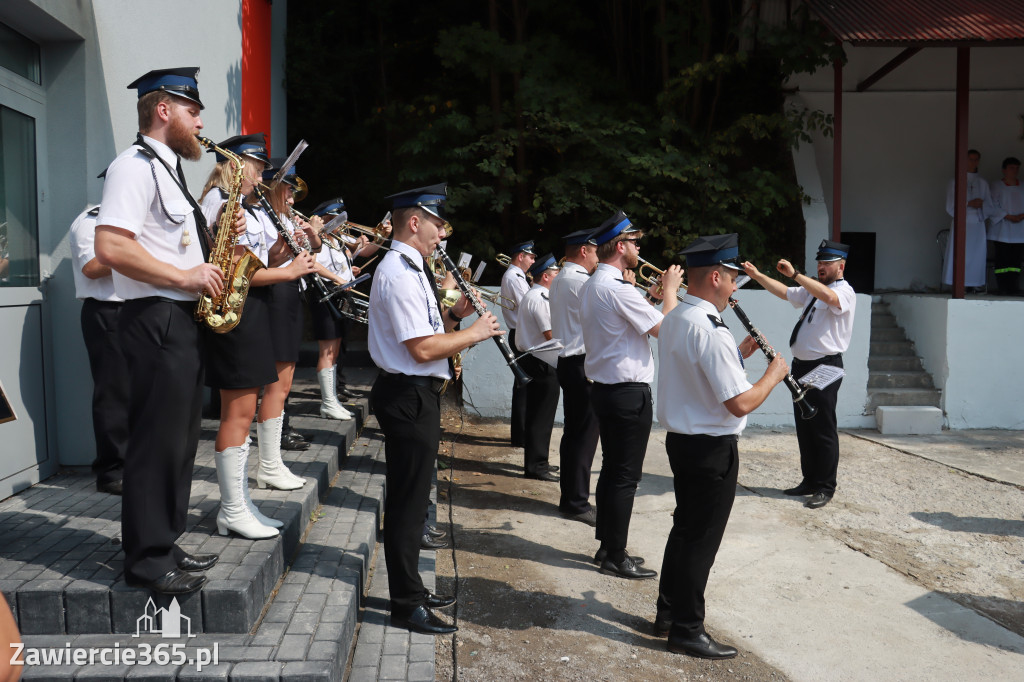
979 207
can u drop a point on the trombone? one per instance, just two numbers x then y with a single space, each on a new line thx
450 297
647 275
503 260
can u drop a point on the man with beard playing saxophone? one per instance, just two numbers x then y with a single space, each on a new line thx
151 233
411 341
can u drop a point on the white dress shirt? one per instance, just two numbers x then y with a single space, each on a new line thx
513 287
131 202
534 320
337 262
826 329
403 307
616 318
699 368
565 308
83 250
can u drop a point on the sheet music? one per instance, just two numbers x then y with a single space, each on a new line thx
479 271
821 376
547 351
464 260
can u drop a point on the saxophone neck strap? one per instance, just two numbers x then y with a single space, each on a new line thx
179 179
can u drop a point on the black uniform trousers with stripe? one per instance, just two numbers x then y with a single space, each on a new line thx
625 412
704 471
541 406
162 345
409 412
109 387
580 434
819 436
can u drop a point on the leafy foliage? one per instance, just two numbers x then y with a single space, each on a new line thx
547 117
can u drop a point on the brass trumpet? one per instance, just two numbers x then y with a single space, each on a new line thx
647 275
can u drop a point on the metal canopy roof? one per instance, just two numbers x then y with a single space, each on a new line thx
923 23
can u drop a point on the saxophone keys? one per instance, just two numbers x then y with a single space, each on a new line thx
233 300
214 320
231 317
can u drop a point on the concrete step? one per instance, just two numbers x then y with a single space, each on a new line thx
304 632
908 420
883 320
899 379
891 348
894 363
903 396
887 334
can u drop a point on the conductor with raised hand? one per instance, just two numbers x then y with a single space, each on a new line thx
821 335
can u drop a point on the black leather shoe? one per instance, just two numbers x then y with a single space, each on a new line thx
438 601
701 646
112 487
553 468
802 489
588 517
197 562
818 500
541 476
602 554
627 568
346 394
433 532
175 581
427 542
293 441
422 620
662 624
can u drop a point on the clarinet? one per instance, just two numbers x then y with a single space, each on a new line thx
807 410
313 280
522 378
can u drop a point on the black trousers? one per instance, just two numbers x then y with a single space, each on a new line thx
818 436
410 417
579 436
1008 258
704 470
518 415
109 387
162 345
625 413
541 404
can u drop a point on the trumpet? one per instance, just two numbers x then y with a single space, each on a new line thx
647 275
377 235
450 297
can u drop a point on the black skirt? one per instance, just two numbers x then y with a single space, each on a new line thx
327 327
286 321
243 357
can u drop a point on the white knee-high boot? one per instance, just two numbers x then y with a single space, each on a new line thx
329 405
272 472
234 514
265 520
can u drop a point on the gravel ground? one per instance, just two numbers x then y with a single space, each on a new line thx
533 607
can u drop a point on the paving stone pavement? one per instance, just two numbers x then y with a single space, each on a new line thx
274 610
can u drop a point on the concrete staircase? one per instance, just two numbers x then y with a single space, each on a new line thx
896 376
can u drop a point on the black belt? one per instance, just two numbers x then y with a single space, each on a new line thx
149 300
705 437
625 384
433 383
824 358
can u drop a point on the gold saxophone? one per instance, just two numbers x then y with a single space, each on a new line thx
223 313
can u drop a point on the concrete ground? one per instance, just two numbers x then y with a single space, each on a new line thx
915 571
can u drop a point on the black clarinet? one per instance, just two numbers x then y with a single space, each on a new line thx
807 410
313 279
522 378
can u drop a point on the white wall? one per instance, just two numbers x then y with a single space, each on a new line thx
898 150
91 50
488 383
971 348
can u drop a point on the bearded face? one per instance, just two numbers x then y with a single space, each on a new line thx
181 136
